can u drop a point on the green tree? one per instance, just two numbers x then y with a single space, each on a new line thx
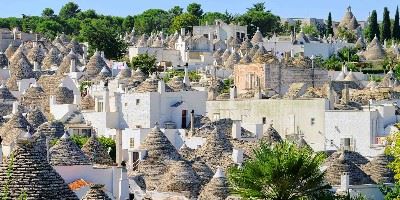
69 10
311 30
99 35
87 14
152 20
175 11
329 30
210 17
48 13
258 16
195 9
185 20
280 172
128 23
49 28
386 32
396 26
145 62
349 35
373 26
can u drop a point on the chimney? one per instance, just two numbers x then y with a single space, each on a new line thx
76 99
15 108
237 156
123 192
186 79
102 54
233 92
118 146
344 181
192 121
106 100
72 67
183 31
36 66
161 86
236 129
345 94
1 152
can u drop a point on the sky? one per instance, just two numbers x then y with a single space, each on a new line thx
283 8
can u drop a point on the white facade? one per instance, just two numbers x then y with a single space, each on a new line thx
221 30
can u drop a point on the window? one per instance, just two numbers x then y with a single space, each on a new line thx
100 107
132 143
137 101
312 121
347 144
126 104
264 120
216 116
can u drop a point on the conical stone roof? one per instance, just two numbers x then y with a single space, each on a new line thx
360 44
125 73
75 46
67 153
233 59
374 50
226 55
32 176
52 58
64 95
245 59
66 63
343 164
176 84
22 70
186 152
3 60
95 65
218 53
87 103
96 153
158 146
36 117
138 75
346 20
36 54
257 38
10 51
181 178
5 94
353 24
217 188
96 192
246 45
253 50
271 135
202 170
378 169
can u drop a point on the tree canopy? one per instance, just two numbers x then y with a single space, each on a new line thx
373 26
145 62
386 31
69 10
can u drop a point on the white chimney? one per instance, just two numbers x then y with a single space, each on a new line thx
35 66
237 156
161 86
72 67
186 79
183 31
106 100
236 129
118 146
344 181
123 192
76 99
233 93
15 108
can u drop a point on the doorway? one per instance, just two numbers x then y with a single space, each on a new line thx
184 118
135 158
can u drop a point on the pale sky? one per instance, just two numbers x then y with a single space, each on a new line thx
290 8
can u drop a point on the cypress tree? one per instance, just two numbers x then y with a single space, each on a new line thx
329 30
386 33
396 26
373 26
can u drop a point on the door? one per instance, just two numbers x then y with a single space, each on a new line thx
184 118
135 158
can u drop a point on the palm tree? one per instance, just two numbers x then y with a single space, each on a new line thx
279 172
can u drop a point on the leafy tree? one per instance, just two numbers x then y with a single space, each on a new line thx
69 10
87 14
280 172
49 28
48 13
195 9
175 11
329 30
311 30
373 26
393 149
152 20
210 17
396 26
98 34
386 32
258 16
183 21
145 62
349 35
128 23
